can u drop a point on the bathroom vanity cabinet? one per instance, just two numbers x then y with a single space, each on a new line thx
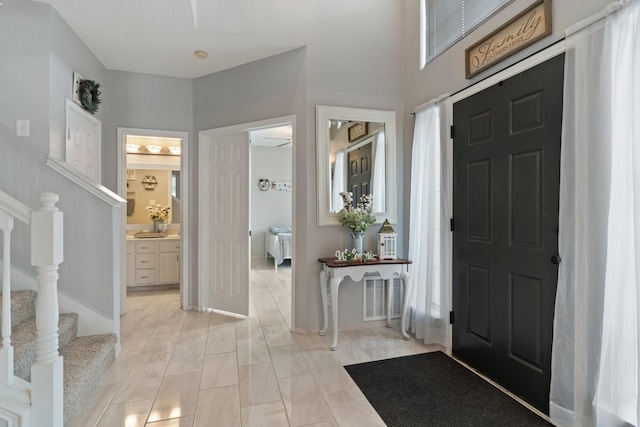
153 262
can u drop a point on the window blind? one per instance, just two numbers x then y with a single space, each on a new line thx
444 22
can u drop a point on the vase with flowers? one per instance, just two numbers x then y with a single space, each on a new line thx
158 214
357 218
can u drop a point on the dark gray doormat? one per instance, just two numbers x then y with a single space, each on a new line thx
432 389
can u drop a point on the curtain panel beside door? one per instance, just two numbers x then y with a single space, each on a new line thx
595 369
429 237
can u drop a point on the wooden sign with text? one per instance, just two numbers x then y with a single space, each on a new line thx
525 29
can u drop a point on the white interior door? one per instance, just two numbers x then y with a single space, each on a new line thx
224 222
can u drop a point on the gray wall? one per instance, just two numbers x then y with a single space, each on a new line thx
142 101
38 54
271 207
378 68
446 74
269 88
68 54
365 72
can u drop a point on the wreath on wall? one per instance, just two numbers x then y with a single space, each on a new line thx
89 95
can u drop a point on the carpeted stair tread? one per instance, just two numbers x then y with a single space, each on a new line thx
23 306
23 339
86 359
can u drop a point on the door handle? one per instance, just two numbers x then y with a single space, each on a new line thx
555 259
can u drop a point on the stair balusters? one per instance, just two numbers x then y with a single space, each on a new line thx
6 352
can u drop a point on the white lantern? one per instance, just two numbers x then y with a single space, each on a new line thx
387 242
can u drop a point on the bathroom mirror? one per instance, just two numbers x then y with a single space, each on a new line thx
141 194
355 151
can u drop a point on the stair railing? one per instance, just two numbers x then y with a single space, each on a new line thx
46 254
10 208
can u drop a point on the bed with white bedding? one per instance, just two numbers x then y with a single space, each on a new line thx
277 243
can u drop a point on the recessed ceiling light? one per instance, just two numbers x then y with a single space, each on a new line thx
201 54
1 4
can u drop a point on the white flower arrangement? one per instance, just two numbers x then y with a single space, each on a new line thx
158 212
360 217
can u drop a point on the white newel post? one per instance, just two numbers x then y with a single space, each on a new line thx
6 352
46 255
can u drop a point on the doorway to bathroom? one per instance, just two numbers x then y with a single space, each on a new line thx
153 178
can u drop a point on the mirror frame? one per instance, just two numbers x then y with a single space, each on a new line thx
325 113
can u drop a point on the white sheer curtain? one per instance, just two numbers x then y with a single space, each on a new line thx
378 176
596 329
339 181
429 238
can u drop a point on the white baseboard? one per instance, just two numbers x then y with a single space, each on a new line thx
89 322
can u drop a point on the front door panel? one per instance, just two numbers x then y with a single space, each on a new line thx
506 186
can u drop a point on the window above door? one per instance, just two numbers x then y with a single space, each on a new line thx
445 22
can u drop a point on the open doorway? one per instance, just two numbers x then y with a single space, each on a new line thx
271 184
152 177
225 212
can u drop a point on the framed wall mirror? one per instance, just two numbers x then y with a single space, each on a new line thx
355 151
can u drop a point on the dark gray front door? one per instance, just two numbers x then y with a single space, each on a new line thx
506 184
359 171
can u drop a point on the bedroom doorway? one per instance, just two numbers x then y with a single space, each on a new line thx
271 221
267 155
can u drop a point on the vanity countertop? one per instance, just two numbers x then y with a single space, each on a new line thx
169 237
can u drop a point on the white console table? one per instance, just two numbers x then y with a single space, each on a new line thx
335 271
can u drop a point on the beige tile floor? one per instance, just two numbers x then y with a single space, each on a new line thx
190 369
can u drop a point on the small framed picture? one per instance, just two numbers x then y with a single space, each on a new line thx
358 130
77 78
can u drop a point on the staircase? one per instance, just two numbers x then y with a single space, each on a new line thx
85 358
46 370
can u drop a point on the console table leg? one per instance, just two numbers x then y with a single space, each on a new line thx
406 281
323 295
334 282
389 299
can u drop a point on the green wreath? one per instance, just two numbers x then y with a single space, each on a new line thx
89 93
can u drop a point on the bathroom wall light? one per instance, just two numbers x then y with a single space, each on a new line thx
132 148
175 150
155 149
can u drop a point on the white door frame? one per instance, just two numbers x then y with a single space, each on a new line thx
185 199
205 137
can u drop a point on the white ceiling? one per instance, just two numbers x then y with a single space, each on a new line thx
160 36
280 136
